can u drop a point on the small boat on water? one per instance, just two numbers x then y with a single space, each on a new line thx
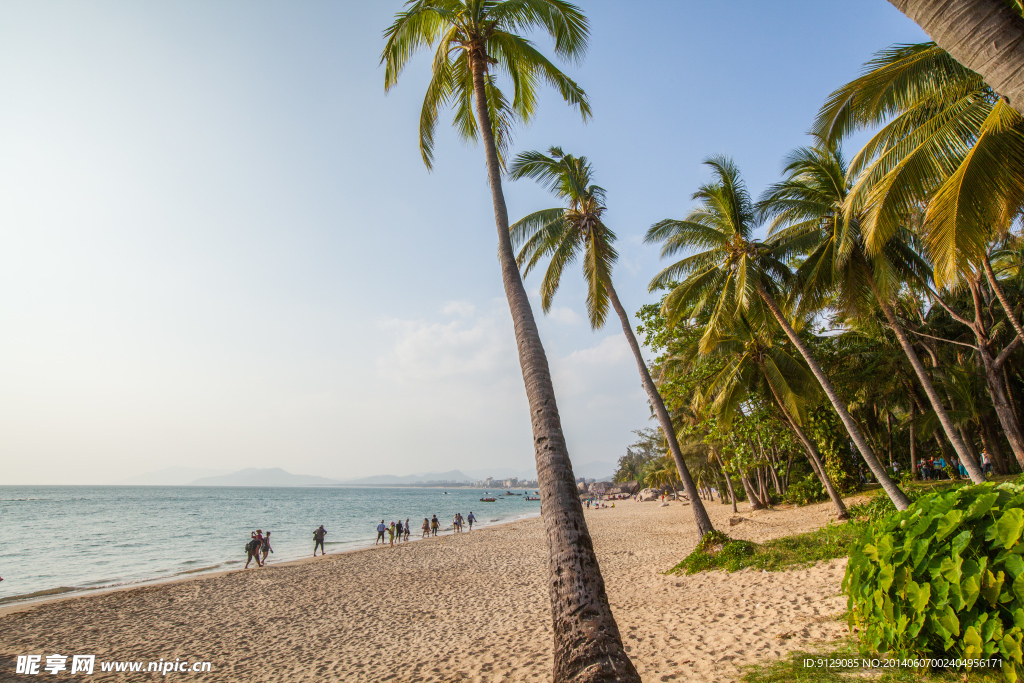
488 500
531 498
509 493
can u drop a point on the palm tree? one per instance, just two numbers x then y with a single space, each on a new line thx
950 152
984 35
735 273
756 365
476 41
577 230
948 148
809 211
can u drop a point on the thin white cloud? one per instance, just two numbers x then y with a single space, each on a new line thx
564 315
459 308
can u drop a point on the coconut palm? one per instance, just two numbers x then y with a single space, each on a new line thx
984 35
476 42
948 148
577 230
808 208
757 365
951 151
731 272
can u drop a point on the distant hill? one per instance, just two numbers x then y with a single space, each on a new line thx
274 476
171 476
454 476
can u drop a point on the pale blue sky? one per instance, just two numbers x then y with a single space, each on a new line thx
219 247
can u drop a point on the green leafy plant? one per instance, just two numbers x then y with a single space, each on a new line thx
805 491
943 578
878 507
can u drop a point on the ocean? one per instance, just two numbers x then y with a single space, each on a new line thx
58 539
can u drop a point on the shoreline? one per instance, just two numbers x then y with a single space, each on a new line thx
17 603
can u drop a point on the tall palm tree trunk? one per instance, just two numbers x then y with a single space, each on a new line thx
728 482
913 442
986 36
899 499
588 646
1001 404
969 463
1001 295
812 455
700 514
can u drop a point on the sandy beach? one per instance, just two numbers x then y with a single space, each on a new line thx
472 607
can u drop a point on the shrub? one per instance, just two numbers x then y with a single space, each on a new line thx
718 551
880 506
805 491
943 578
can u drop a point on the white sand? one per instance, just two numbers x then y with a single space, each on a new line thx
472 607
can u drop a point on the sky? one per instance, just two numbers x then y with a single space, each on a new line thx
219 247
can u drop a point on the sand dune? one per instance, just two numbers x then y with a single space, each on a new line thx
472 607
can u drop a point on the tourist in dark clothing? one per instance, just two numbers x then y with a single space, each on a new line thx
318 538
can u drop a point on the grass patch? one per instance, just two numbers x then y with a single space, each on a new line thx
791 669
718 551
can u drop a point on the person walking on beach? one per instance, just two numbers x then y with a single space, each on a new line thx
318 538
252 550
426 528
471 519
266 547
391 534
408 529
381 528
434 525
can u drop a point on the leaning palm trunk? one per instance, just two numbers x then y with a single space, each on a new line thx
700 514
968 460
986 36
728 482
588 646
1001 404
1001 295
899 499
816 464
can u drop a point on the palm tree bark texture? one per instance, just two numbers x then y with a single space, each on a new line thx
588 646
700 513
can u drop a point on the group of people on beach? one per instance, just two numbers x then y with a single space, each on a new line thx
397 531
258 545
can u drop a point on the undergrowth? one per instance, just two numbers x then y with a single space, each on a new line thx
718 551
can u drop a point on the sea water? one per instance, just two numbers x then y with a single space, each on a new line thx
77 538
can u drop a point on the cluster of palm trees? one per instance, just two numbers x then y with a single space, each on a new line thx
911 241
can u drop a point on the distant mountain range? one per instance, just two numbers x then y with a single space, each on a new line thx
171 476
275 476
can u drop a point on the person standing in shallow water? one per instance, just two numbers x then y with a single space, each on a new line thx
318 540
470 520
426 528
381 529
434 525
408 529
